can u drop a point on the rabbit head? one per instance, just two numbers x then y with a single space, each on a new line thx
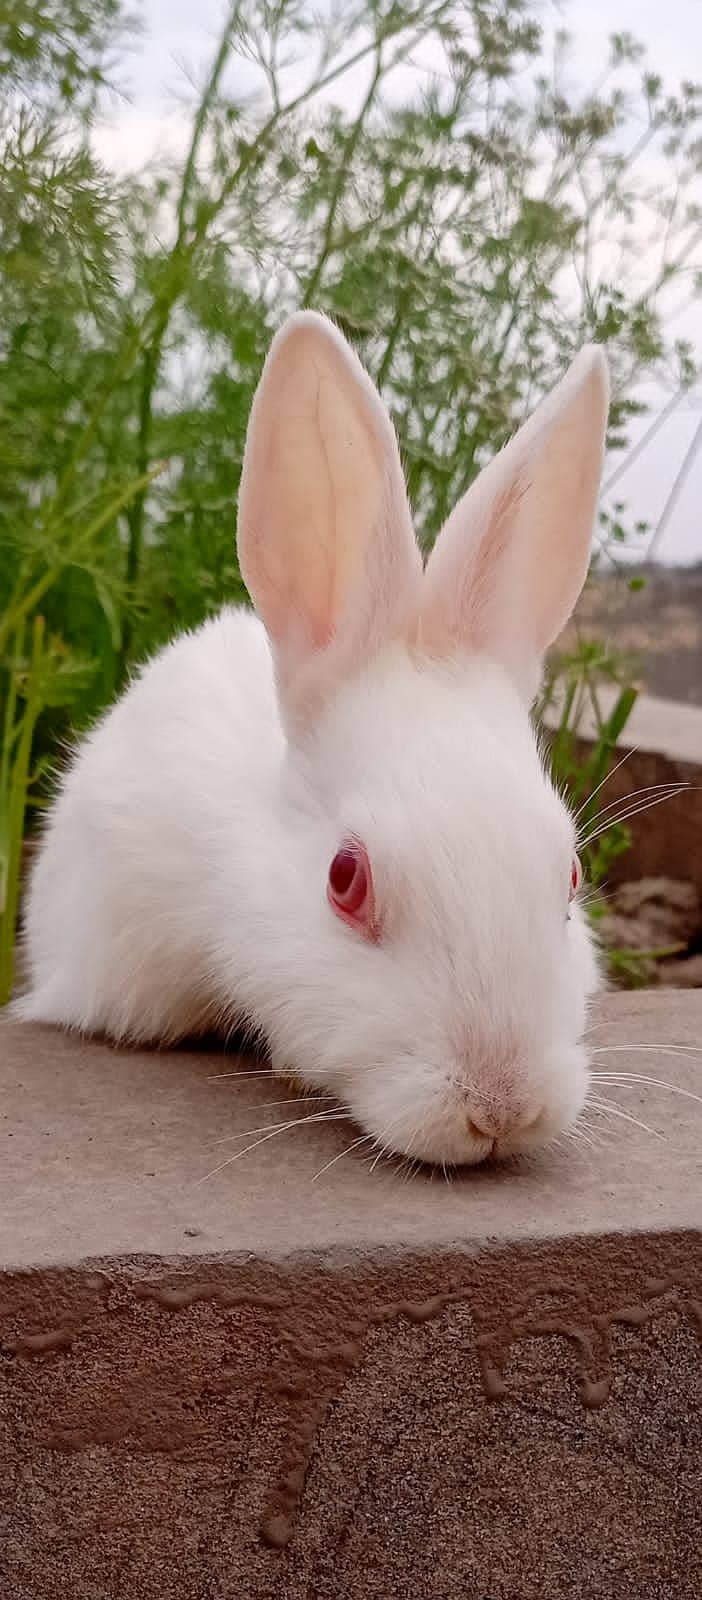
430 964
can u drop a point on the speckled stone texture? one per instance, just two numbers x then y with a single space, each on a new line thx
351 1386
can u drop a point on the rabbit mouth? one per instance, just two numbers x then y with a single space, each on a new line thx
458 1137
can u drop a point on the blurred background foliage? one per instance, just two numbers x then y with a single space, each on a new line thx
467 221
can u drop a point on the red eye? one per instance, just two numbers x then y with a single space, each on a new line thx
576 877
350 888
348 879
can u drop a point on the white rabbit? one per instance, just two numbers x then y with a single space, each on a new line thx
334 823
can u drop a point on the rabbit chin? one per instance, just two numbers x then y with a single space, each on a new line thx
428 1117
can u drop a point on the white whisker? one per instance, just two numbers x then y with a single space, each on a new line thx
330 1115
364 1139
621 1079
582 1134
626 816
605 780
386 1149
242 1073
673 786
295 1100
274 1077
271 1134
671 1049
607 1108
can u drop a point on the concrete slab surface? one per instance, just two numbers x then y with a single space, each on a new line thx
272 1384
108 1153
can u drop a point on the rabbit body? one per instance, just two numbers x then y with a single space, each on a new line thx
119 925
333 824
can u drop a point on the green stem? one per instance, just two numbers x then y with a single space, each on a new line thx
200 120
163 308
20 608
609 733
399 322
9 729
137 508
125 361
342 177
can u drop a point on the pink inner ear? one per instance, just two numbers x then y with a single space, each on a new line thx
350 889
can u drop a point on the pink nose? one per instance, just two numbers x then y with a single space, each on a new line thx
491 1122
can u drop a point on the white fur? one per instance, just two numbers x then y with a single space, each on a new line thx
181 883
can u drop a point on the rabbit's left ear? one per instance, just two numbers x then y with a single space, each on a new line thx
510 563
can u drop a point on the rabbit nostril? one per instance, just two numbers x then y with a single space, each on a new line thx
494 1125
527 1126
475 1130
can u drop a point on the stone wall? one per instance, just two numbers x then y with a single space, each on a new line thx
655 888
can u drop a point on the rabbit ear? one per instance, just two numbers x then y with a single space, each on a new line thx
509 565
325 538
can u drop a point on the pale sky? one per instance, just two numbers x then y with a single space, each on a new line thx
178 39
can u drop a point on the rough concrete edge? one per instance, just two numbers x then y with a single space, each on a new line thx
652 1274
338 1258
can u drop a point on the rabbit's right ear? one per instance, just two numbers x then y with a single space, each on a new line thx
325 538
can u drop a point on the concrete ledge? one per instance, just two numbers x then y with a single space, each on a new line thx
668 728
351 1386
